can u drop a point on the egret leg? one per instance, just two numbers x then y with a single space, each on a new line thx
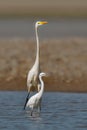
26 100
39 108
40 104
31 112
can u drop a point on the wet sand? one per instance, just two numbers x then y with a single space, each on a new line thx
64 59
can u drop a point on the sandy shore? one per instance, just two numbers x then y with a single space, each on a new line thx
64 59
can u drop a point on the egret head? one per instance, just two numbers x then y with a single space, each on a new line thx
42 74
39 23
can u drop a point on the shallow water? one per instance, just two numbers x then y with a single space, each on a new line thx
60 111
56 28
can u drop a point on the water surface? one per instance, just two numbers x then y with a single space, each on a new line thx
60 111
56 28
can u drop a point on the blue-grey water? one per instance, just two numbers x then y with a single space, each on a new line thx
60 111
56 28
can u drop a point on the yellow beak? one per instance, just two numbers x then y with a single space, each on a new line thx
43 22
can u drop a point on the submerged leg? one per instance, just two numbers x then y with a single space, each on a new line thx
26 100
32 112
39 105
39 109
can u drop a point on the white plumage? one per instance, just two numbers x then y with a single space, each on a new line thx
33 74
34 101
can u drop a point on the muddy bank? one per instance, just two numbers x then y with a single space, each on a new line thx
64 59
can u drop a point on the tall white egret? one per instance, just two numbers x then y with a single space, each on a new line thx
34 101
33 74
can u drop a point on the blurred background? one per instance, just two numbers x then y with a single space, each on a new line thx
64 40
48 8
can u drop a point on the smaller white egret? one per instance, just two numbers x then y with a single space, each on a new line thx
35 100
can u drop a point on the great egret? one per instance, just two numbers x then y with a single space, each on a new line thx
33 74
34 101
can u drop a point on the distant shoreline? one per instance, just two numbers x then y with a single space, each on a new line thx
51 85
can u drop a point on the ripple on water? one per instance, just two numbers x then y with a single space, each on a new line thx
59 111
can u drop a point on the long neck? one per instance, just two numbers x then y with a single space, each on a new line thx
38 50
42 87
